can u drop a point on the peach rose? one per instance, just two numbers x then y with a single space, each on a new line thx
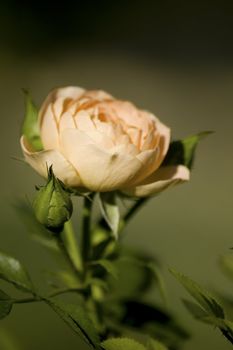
102 144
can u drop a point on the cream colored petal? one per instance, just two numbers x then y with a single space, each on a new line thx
163 178
149 160
127 112
165 137
98 95
98 169
49 130
66 121
57 97
83 121
40 161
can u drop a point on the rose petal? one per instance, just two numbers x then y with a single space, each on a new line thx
49 130
66 121
57 97
160 180
40 161
99 170
149 161
99 95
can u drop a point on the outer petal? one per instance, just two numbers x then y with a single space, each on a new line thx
49 130
165 136
99 170
57 97
99 95
61 167
159 181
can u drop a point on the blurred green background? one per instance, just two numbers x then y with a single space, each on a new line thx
173 58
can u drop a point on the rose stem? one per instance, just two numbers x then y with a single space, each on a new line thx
66 254
72 246
135 207
86 229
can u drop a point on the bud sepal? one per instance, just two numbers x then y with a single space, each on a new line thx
53 205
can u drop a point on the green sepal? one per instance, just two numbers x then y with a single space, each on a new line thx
52 205
110 211
182 152
30 127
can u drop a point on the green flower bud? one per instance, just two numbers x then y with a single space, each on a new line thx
52 205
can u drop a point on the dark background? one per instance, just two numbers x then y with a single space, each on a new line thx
171 57
166 30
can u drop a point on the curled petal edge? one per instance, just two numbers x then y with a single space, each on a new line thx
159 181
41 161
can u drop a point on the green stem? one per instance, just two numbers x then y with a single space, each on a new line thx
66 255
71 245
135 207
40 298
64 291
27 300
86 229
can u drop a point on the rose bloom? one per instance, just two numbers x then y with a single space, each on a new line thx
98 143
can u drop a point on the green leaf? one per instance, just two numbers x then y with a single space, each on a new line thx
11 270
133 279
76 317
153 269
196 311
5 304
206 301
225 326
122 344
183 151
226 263
156 345
110 210
108 266
150 320
159 280
30 128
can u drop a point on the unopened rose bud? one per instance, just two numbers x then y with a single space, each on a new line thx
52 205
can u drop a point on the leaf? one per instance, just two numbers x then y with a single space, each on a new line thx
142 319
159 280
196 311
156 345
226 263
110 210
76 317
5 304
207 302
122 344
225 326
133 279
152 268
108 266
30 128
183 151
13 272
